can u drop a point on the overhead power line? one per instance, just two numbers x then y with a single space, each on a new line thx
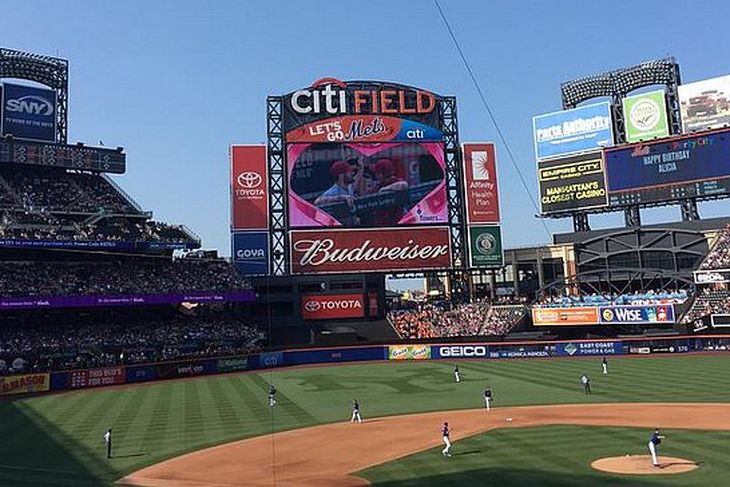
493 119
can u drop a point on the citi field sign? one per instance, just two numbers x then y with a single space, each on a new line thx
331 110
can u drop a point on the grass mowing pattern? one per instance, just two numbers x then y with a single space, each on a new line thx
57 439
556 456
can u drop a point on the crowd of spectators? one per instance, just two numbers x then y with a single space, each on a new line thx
45 279
37 347
440 320
708 302
719 255
635 298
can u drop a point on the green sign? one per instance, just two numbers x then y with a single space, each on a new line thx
232 364
645 116
485 245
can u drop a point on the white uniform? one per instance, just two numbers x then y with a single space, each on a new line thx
605 367
456 374
445 434
653 445
488 401
356 413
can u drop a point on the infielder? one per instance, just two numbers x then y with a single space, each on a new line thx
355 412
272 395
586 381
108 441
488 398
445 433
656 438
456 373
604 365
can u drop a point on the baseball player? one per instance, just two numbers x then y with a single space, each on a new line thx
445 433
586 381
355 412
108 441
604 365
456 373
272 395
488 398
656 439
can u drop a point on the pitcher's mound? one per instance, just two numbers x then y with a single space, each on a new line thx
641 465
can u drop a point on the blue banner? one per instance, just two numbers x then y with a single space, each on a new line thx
141 373
29 112
661 314
335 355
589 348
271 359
459 351
120 245
670 162
251 252
582 129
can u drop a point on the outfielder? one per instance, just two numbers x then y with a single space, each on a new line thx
108 441
272 395
456 373
586 381
488 398
604 365
355 412
445 433
654 442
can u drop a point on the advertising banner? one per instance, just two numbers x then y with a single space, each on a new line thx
360 250
333 306
366 185
485 246
409 352
141 373
645 116
705 104
139 300
182 369
669 162
459 351
251 252
271 359
582 129
655 314
29 112
480 183
713 276
578 316
333 110
232 364
589 348
24 383
78 379
572 183
249 188
301 357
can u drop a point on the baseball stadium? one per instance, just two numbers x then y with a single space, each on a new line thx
132 354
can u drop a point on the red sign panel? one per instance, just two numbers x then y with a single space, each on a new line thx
368 250
333 306
78 379
249 194
480 187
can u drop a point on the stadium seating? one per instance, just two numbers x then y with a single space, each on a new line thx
719 255
638 298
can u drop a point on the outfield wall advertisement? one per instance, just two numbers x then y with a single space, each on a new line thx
24 384
409 352
583 129
572 183
79 379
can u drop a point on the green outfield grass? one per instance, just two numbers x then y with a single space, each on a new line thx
556 456
57 439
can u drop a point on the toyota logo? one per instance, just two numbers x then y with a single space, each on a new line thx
249 179
312 306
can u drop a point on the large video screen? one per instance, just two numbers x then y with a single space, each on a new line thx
366 184
670 169
572 183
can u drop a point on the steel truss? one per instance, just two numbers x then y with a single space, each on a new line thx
278 217
46 70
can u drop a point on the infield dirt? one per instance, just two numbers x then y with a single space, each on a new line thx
329 455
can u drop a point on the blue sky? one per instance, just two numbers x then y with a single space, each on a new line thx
175 83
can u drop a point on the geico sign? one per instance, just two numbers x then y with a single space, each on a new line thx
463 351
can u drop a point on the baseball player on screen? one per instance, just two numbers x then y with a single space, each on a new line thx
355 412
445 434
456 373
654 441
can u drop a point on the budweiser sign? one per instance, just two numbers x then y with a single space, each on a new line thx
333 306
370 250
